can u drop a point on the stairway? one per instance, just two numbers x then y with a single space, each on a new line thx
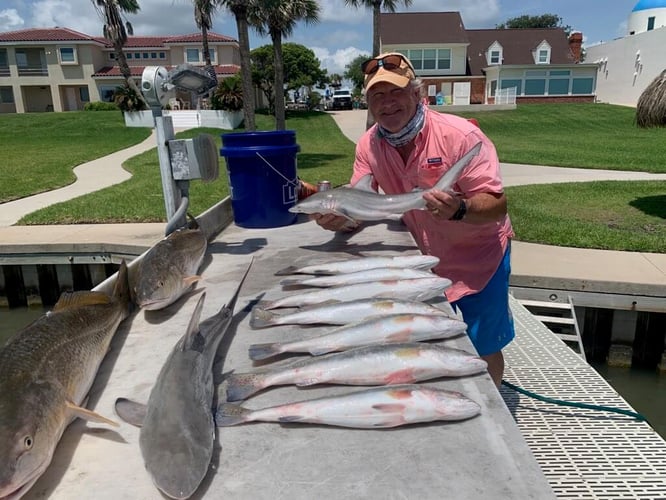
560 318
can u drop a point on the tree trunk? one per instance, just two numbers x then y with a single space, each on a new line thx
246 73
280 120
127 73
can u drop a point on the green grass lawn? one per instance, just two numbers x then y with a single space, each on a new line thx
609 215
40 150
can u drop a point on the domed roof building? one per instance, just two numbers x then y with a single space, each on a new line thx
646 16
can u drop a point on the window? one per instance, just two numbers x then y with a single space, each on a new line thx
128 55
67 55
507 84
429 59
146 55
84 94
6 95
3 58
106 93
212 54
542 53
543 57
559 86
582 85
535 87
192 55
162 55
650 25
153 55
494 54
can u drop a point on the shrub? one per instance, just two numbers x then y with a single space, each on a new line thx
100 106
228 95
127 100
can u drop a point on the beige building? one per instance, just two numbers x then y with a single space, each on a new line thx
58 69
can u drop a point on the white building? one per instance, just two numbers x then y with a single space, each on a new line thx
626 66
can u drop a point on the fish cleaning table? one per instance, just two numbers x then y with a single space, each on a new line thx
484 457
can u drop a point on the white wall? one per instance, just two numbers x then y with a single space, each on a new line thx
616 81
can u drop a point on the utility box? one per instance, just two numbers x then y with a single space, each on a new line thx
195 158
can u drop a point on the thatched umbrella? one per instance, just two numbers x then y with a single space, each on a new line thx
651 107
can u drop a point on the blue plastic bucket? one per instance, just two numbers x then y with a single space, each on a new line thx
263 180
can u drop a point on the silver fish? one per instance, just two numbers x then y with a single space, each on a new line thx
375 408
177 428
360 204
341 313
386 364
46 371
387 329
169 269
407 289
381 273
363 264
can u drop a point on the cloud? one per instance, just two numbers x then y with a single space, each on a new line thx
10 20
336 61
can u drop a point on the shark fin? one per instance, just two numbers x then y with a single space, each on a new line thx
130 411
365 183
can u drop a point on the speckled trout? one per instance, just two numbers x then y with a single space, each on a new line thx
46 371
408 289
375 408
388 329
361 204
363 264
387 364
379 274
342 313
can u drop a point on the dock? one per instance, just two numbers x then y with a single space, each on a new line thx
518 448
485 457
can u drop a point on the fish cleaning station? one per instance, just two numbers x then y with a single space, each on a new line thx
518 447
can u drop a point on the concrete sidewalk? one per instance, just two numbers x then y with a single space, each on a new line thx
533 265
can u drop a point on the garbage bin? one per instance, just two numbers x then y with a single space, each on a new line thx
263 179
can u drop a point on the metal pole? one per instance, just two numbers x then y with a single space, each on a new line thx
165 133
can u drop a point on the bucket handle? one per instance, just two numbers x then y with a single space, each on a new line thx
293 183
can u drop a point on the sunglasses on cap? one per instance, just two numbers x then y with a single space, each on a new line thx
389 62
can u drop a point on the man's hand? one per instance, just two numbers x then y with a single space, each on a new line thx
334 222
440 204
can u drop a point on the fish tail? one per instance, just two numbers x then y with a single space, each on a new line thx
261 318
264 351
121 289
286 270
242 385
228 414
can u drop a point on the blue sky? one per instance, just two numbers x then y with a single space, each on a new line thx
342 33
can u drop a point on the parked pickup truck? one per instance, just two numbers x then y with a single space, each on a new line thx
342 99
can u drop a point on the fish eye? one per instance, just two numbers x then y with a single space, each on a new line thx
28 442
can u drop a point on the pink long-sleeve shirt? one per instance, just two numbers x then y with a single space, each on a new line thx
469 253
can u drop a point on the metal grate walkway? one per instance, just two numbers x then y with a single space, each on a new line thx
585 454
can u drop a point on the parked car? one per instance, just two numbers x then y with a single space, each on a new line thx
342 99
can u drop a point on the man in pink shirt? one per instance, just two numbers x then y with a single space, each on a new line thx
410 146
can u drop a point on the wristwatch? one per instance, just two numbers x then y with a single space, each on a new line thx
460 213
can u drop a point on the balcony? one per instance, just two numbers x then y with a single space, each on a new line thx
4 71
32 71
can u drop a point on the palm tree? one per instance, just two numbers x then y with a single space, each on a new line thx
377 6
203 17
116 30
651 107
242 9
278 19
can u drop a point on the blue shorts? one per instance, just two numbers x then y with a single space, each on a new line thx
487 313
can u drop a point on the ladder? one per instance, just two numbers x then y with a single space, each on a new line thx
559 318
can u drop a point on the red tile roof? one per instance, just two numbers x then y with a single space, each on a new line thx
137 71
46 35
58 34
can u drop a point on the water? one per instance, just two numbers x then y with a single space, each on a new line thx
644 390
12 320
